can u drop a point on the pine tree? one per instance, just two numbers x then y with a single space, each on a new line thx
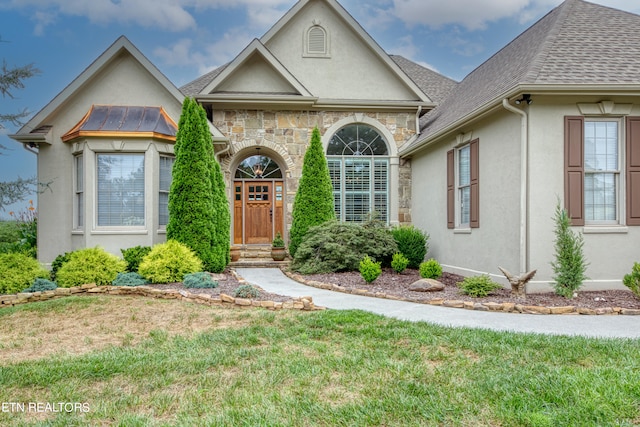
313 204
570 265
191 206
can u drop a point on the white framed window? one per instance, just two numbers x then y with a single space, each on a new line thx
120 184
464 186
602 166
166 166
79 191
358 160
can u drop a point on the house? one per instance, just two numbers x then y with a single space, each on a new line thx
553 116
479 165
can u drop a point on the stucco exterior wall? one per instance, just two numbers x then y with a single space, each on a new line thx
284 135
496 242
123 82
611 250
339 75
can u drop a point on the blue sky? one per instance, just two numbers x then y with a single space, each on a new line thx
187 38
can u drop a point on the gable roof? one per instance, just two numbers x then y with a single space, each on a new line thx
253 50
434 84
576 45
28 132
208 83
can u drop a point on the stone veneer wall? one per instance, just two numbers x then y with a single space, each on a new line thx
288 133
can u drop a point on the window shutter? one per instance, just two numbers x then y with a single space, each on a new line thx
574 168
451 190
474 220
633 170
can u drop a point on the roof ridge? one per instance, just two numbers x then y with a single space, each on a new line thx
551 37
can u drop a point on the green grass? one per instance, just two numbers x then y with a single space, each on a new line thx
344 368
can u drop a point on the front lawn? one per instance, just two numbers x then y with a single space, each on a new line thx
140 362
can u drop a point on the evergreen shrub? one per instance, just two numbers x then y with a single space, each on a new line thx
247 291
58 263
313 204
399 262
41 285
412 243
133 257
129 279
90 265
632 280
478 286
570 265
430 269
369 269
199 280
169 262
335 246
18 271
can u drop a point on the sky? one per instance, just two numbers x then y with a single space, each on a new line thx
187 38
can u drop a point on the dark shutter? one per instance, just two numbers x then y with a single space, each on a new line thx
451 190
633 170
474 220
574 168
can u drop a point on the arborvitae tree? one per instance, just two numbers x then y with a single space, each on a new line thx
570 266
191 207
313 204
222 217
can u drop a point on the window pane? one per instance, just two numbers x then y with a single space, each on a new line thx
166 165
357 140
464 166
120 189
465 205
79 191
600 197
601 146
357 174
357 207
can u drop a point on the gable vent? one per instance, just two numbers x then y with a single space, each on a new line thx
317 40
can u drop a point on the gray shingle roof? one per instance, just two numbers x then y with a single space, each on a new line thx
196 86
434 84
576 43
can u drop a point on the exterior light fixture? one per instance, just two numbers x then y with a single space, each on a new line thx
525 98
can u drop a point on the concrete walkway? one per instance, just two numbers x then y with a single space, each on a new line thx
274 281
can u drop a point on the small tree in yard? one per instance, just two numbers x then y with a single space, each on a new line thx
191 201
570 266
313 204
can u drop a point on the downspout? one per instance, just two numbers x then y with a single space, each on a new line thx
524 184
418 119
30 149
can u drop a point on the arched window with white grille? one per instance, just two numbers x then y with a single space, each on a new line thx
358 160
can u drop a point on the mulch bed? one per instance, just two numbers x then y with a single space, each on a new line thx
391 283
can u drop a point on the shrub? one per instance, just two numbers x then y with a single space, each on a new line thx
133 256
58 263
430 269
41 285
632 280
9 232
18 271
129 279
191 199
199 280
399 262
369 270
478 286
90 265
570 265
313 204
169 262
247 291
412 243
335 246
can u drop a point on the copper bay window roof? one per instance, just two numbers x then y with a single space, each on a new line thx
124 121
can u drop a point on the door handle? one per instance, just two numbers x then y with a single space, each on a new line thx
271 215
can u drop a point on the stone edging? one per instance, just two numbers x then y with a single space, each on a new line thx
302 303
469 305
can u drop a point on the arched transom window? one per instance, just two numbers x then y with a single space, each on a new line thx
258 167
358 159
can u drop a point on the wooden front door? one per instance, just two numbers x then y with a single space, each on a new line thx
258 211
